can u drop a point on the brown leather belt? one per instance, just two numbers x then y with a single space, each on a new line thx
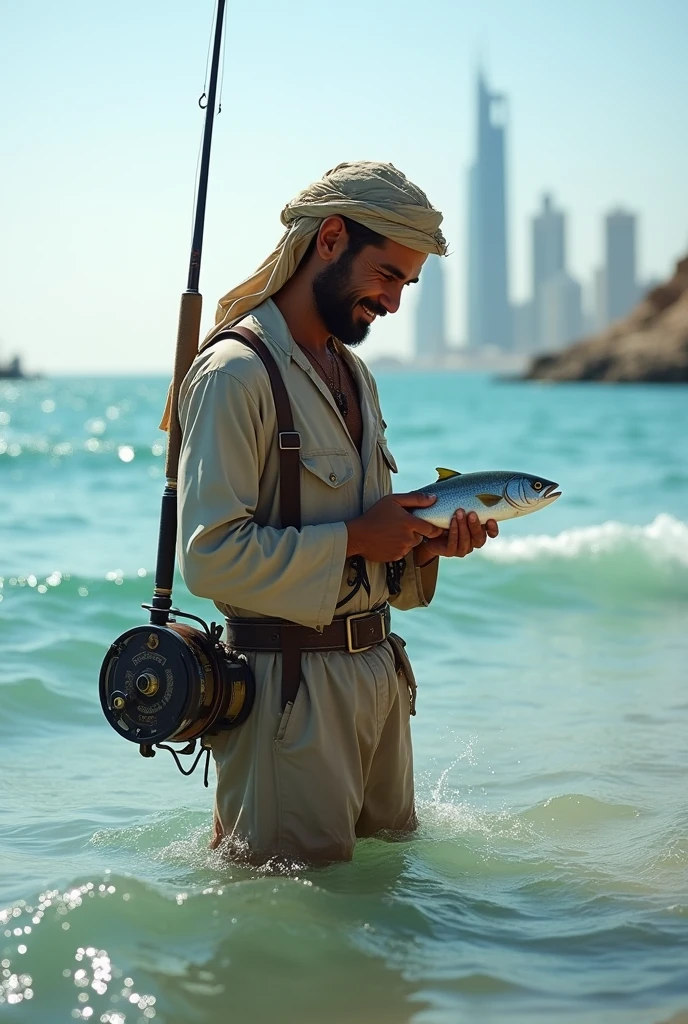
353 633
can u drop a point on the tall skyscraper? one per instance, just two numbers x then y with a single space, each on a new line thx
561 311
548 259
430 342
620 270
523 326
600 303
489 312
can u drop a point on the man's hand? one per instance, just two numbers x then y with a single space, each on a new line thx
387 532
464 535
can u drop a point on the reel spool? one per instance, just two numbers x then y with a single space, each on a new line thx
174 683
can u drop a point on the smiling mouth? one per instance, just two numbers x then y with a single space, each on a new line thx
551 492
370 313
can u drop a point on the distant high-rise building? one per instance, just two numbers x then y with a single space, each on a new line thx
601 317
523 321
562 311
620 264
430 342
548 258
489 312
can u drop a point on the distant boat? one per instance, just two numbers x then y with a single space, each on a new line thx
13 370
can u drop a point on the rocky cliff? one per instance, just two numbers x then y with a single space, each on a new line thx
651 344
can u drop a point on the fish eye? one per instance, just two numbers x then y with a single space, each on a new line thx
537 486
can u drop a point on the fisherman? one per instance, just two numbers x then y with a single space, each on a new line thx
329 761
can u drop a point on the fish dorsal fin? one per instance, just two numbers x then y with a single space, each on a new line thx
444 474
489 499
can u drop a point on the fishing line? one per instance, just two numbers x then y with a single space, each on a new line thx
195 193
204 94
203 105
222 65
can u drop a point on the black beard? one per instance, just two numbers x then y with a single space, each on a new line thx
335 303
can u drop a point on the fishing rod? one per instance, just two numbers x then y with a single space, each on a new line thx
169 681
188 332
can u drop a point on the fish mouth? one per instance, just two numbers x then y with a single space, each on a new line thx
552 493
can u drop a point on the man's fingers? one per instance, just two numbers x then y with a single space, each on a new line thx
413 499
464 543
476 530
452 537
465 534
424 529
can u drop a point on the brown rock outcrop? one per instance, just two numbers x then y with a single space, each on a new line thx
651 344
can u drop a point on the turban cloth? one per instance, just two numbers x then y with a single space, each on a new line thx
376 195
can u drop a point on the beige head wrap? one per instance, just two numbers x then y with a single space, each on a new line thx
376 195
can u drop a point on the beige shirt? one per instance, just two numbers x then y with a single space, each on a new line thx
231 547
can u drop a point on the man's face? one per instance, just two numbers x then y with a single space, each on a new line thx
353 290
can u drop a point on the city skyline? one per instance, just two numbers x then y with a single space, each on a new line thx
560 308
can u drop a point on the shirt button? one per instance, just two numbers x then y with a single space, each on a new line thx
333 478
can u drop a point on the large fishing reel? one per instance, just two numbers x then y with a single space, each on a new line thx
174 683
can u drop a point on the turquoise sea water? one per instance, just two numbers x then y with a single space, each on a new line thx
549 876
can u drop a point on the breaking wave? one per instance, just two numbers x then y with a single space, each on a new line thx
614 563
663 540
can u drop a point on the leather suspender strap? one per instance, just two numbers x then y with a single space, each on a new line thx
289 442
288 439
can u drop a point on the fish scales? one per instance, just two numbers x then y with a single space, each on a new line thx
492 494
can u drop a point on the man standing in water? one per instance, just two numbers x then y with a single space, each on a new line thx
324 757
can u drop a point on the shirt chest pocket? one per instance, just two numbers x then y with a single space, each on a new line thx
331 467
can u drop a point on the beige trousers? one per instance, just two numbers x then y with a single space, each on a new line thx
336 765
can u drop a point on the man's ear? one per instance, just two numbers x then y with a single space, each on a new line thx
333 239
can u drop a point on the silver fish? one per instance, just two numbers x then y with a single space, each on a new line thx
496 494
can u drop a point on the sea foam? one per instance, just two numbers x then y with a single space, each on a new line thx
665 539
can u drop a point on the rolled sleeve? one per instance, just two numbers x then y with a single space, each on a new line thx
417 584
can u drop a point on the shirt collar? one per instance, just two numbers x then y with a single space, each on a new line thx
273 324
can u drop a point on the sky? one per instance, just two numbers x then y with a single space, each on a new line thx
101 134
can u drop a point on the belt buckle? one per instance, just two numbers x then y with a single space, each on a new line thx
349 637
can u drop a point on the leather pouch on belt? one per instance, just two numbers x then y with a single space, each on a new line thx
403 666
